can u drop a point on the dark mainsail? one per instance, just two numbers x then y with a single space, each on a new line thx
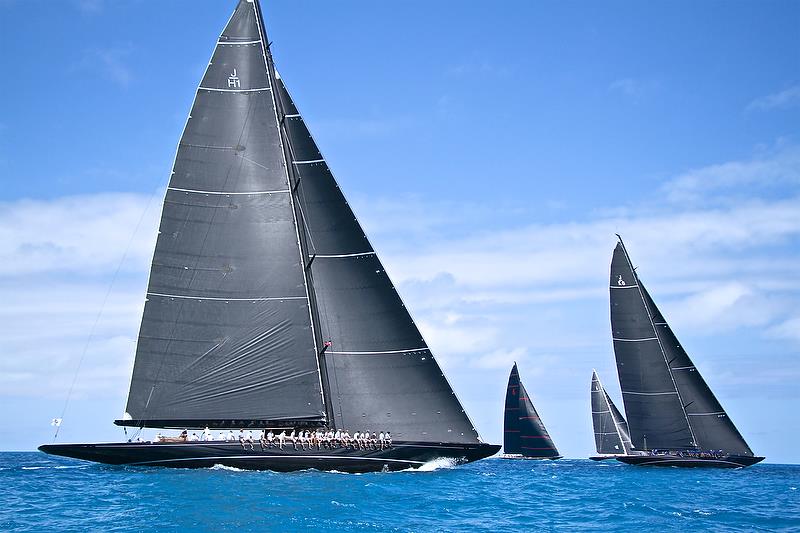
667 402
611 433
226 331
267 303
523 430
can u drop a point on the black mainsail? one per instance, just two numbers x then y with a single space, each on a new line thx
524 433
668 404
611 435
267 307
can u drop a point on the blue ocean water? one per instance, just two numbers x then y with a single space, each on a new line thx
43 493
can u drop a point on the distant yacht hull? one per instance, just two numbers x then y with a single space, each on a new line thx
730 461
526 457
603 457
401 456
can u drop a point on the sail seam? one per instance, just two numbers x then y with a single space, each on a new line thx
186 297
707 414
308 161
225 192
257 89
649 393
334 256
380 353
239 42
636 340
625 287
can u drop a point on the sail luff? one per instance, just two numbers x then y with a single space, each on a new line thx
292 184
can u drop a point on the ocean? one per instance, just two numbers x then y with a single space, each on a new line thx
44 493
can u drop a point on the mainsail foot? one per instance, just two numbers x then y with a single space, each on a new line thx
399 456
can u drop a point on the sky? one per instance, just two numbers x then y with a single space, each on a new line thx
491 150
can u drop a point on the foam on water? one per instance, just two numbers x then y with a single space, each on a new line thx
44 493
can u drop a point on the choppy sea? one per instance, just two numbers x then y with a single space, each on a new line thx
43 493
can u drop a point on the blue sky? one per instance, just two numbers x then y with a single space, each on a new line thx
491 150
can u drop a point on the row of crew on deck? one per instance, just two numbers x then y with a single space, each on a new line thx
305 439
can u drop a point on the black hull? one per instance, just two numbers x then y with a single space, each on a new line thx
529 458
602 457
730 461
401 456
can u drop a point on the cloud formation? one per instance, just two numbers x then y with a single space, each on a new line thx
789 97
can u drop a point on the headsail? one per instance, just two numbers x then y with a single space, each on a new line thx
669 405
226 336
523 430
610 429
712 427
379 371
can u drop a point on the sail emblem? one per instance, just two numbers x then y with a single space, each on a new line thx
620 281
233 80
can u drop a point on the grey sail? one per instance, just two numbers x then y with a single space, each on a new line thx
523 430
675 394
712 427
226 337
611 433
653 406
378 371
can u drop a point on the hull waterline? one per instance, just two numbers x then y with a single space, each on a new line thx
730 461
401 456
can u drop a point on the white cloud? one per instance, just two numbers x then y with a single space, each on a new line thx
789 97
780 168
87 234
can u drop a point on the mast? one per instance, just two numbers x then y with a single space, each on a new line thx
302 232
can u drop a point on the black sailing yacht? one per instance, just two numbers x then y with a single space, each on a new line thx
267 307
673 416
524 434
611 435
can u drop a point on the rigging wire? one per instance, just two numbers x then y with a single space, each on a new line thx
58 421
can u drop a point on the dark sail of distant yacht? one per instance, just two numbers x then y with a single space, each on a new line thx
611 435
524 434
672 414
267 307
